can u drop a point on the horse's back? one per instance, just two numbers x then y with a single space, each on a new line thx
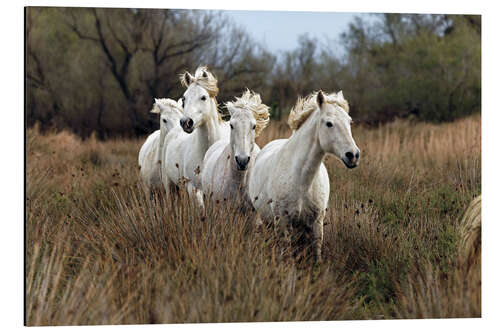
147 146
149 168
211 164
214 151
261 172
260 169
269 150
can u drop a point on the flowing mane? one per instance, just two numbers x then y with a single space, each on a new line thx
203 78
251 101
170 104
306 105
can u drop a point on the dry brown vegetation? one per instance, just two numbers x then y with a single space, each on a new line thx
100 251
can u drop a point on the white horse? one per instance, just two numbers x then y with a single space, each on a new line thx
150 154
226 164
201 118
289 184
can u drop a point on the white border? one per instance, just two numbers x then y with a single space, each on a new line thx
12 167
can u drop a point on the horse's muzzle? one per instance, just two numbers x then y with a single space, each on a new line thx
351 160
187 124
242 162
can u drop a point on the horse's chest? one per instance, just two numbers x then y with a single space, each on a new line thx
296 208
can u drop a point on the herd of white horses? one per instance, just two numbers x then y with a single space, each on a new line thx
285 182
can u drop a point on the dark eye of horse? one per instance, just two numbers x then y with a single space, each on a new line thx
329 124
164 121
183 100
253 127
203 98
231 126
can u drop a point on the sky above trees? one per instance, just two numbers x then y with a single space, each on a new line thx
279 30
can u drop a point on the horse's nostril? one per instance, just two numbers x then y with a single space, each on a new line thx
243 161
349 155
187 123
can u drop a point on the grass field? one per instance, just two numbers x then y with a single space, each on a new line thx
100 251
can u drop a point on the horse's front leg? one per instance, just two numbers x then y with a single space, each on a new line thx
317 236
171 189
199 199
195 195
285 234
258 221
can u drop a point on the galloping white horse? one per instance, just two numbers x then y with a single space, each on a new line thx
226 164
150 154
186 153
289 184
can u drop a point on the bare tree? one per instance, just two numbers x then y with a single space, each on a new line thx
118 33
36 76
174 37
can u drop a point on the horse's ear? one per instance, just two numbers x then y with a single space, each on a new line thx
186 79
155 108
230 108
320 99
340 95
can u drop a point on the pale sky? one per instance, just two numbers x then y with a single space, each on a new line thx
279 30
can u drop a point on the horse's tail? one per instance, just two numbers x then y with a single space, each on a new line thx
470 233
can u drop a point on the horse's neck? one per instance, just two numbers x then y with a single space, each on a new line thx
238 178
159 147
210 131
304 153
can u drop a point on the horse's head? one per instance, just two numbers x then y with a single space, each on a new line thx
248 118
334 128
199 99
170 114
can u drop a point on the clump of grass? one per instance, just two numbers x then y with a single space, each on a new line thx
101 251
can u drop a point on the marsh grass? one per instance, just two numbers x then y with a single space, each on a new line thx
101 251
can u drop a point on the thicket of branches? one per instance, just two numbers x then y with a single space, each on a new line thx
98 70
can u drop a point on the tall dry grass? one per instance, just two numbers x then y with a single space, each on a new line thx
101 251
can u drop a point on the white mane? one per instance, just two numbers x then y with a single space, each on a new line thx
169 104
203 78
305 107
251 102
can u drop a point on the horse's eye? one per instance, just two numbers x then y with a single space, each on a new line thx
164 121
183 100
231 126
253 127
329 124
203 98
